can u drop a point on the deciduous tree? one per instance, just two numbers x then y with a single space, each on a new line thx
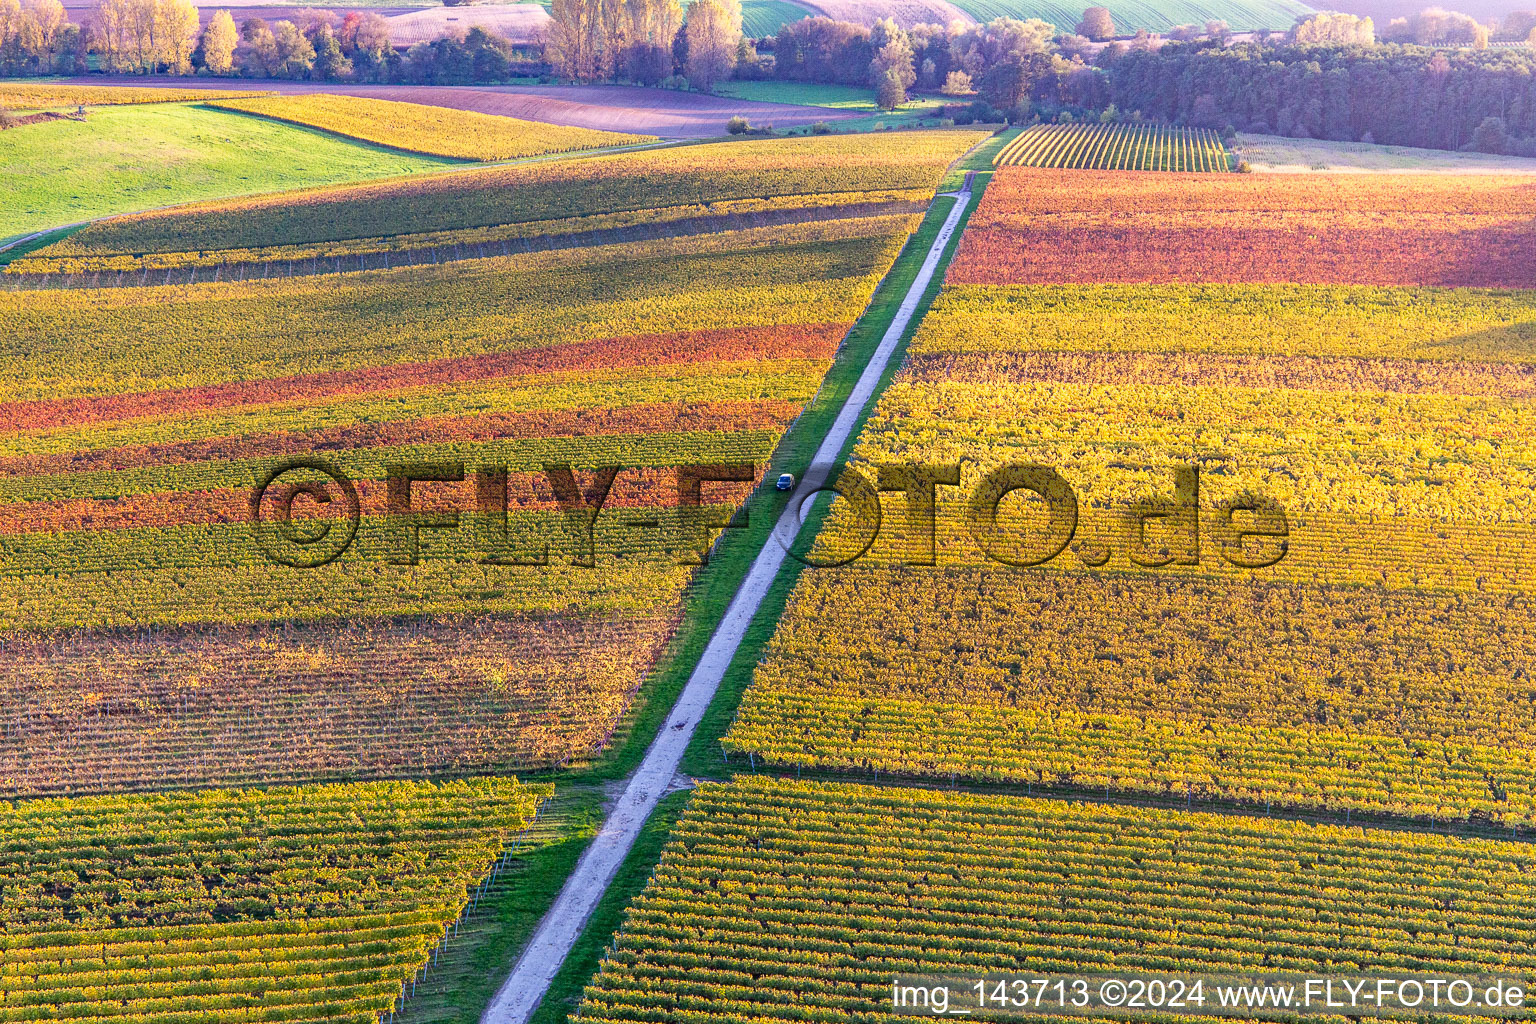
1492 136
10 19
257 52
891 72
370 45
1014 79
575 39
980 47
330 63
958 83
295 54
1330 29
1436 26
219 41
109 32
650 26
174 34
1516 26
1097 24
713 28
49 18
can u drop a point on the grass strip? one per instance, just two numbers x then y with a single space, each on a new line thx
704 757
42 241
474 963
591 949
716 583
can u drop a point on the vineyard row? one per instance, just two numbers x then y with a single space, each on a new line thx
796 901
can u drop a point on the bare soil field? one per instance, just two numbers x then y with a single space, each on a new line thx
621 108
675 115
906 12
408 23
240 10
1277 154
521 23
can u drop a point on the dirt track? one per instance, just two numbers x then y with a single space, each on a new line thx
676 115
561 926
38 118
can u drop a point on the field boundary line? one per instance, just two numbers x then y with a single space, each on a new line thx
1465 829
448 252
461 168
13 243
645 140
562 925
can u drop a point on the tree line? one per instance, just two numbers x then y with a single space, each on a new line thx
37 39
164 36
357 48
645 41
1394 94
1329 77
956 59
650 42
1325 79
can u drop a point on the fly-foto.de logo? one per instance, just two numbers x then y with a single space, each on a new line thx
307 512
1250 531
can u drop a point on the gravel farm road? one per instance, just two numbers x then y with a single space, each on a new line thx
562 925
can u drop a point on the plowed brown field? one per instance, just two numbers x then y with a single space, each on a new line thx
677 115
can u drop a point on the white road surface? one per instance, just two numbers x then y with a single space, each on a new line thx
557 933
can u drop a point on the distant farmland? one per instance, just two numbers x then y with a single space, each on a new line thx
1155 16
764 17
1105 147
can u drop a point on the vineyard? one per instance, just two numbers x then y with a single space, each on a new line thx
30 96
1152 15
1117 147
483 621
1085 681
794 901
827 171
318 903
180 706
1352 655
1044 226
330 518
395 251
439 131
100 479
1319 338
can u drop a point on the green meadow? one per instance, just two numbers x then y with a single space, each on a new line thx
122 159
